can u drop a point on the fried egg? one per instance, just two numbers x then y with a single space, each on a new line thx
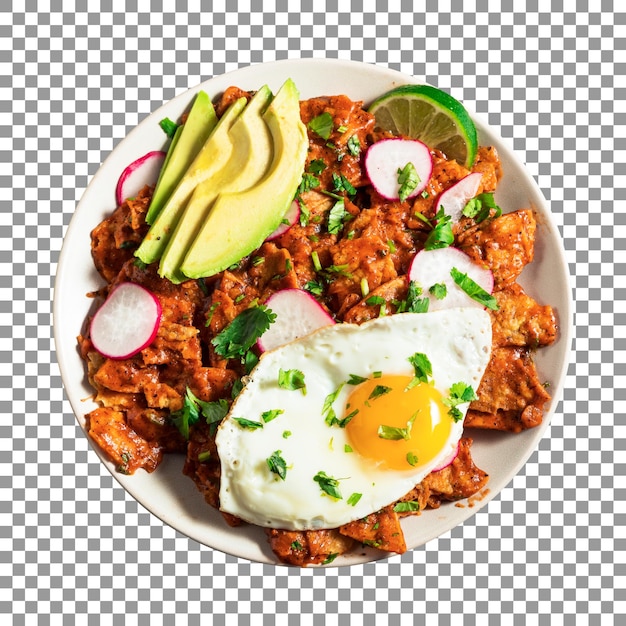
342 422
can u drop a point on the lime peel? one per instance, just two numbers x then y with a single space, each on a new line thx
431 115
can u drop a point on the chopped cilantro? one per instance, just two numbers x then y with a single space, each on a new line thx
441 235
375 301
277 465
411 459
317 166
341 183
473 289
287 434
330 558
408 179
394 433
241 334
354 498
406 507
314 287
422 366
480 207
379 390
322 125
307 183
328 485
413 302
291 380
439 290
356 380
337 217
460 393
193 407
268 416
248 424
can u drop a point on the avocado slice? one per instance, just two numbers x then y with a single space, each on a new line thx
248 162
239 222
185 145
214 154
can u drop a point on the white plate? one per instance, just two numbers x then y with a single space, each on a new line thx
173 497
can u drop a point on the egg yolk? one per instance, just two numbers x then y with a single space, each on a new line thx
396 424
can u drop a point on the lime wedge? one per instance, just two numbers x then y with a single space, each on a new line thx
430 115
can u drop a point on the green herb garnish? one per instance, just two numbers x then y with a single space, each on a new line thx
322 125
291 380
460 393
405 507
248 424
441 235
379 390
394 433
473 289
354 498
241 334
337 217
408 179
328 485
277 465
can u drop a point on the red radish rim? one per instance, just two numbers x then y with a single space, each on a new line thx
292 216
455 213
304 296
130 169
153 334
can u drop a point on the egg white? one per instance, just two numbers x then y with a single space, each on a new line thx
457 343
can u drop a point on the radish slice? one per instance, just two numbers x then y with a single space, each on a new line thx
448 460
127 322
384 158
298 313
291 217
432 267
144 171
454 199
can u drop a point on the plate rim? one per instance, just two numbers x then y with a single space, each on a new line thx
62 351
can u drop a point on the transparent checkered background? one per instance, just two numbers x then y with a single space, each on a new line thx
75 77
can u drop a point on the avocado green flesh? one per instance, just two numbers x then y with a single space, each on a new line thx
248 163
186 144
212 157
238 223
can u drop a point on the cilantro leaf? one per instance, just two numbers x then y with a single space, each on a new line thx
241 334
408 179
354 498
473 289
480 207
411 459
356 379
413 303
277 465
422 368
328 485
322 125
460 393
248 424
317 166
337 217
439 290
291 380
379 390
395 433
341 183
307 183
268 416
330 417
191 410
441 235
405 507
